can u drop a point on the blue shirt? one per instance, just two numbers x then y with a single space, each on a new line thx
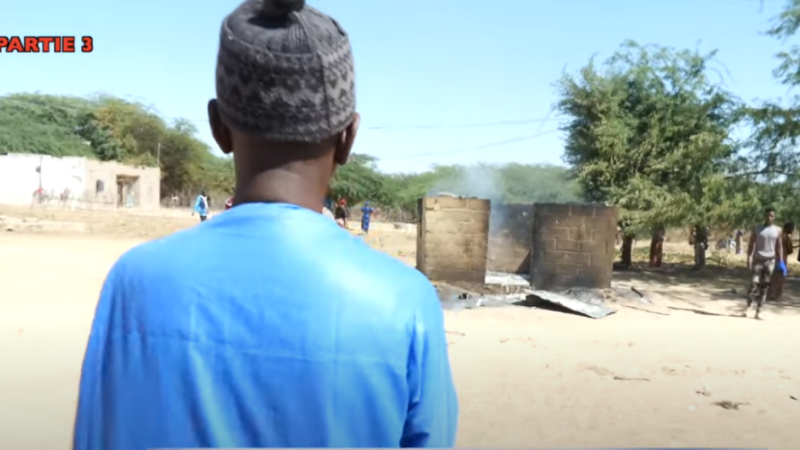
365 213
201 206
240 332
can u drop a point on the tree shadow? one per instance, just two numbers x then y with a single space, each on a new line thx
723 287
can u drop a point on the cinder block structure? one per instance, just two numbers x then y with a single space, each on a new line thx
510 235
452 238
572 246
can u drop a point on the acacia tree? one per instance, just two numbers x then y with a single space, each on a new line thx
358 180
774 165
649 132
113 129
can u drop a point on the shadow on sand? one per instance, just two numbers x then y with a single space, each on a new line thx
726 285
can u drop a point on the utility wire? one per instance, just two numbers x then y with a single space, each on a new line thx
471 125
541 120
477 147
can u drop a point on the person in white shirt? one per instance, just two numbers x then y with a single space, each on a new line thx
764 249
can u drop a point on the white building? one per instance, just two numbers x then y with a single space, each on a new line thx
27 178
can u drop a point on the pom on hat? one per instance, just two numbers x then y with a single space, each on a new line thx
281 8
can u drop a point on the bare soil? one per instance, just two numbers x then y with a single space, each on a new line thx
685 371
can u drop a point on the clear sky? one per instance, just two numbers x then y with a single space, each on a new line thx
444 63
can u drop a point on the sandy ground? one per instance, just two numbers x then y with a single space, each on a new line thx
646 376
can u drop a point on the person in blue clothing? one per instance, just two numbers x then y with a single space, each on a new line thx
214 337
201 206
366 212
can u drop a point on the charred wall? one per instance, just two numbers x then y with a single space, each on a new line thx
510 238
452 239
573 246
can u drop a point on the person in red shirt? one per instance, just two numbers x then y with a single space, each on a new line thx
340 214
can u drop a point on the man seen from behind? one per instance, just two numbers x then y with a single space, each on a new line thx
241 332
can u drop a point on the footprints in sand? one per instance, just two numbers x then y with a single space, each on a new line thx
528 341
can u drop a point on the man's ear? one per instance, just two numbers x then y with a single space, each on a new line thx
220 131
345 144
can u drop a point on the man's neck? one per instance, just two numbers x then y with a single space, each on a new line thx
289 189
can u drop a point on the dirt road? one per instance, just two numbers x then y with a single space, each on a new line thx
525 377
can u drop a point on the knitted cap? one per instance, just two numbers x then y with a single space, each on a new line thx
285 72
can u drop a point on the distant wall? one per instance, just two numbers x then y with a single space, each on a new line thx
75 182
510 238
452 239
573 246
21 175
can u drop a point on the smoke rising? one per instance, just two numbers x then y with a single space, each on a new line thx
479 181
473 181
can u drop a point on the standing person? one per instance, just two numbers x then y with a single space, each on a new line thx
778 277
366 212
201 206
764 248
657 247
628 239
341 213
737 236
700 241
214 337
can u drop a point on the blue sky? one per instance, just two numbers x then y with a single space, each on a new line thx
441 63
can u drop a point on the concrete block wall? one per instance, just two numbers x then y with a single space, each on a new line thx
573 246
453 238
510 236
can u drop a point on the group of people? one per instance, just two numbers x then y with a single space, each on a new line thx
768 250
341 214
244 332
341 211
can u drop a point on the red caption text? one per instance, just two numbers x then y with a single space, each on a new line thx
46 44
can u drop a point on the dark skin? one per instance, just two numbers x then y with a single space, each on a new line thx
281 172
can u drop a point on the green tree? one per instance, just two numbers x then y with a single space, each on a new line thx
774 164
112 129
649 132
43 124
358 180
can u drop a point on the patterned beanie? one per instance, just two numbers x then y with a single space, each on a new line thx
285 72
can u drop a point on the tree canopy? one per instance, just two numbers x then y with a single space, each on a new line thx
112 129
649 131
653 131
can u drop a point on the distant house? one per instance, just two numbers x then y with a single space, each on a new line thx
83 182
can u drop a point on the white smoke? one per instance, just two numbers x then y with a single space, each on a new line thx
478 181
